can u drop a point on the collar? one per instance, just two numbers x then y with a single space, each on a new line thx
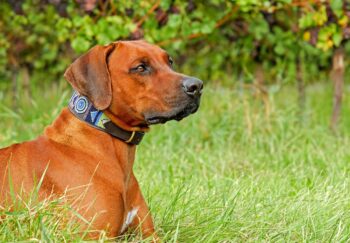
83 109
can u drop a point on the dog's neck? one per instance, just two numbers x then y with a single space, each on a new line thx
70 131
83 109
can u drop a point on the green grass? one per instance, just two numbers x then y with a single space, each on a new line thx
227 173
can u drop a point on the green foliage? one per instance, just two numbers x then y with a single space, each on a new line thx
212 38
327 22
263 179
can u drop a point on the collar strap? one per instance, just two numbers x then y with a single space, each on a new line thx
83 109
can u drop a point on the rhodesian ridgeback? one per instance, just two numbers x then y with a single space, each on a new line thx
120 90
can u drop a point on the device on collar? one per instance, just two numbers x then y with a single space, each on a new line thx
83 109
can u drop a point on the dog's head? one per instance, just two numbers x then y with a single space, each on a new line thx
134 83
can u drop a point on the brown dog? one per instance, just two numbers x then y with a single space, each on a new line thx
133 83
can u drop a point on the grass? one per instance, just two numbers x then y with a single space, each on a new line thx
228 173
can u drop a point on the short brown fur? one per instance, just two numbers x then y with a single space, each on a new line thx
76 154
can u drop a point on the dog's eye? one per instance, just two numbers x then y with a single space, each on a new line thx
171 62
141 68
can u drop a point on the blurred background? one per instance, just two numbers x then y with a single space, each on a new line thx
266 157
258 45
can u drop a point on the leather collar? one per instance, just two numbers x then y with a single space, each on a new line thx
83 109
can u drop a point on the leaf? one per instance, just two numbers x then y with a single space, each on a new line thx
306 36
279 49
306 21
80 44
337 7
337 38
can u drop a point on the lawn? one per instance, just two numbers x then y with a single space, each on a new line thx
228 173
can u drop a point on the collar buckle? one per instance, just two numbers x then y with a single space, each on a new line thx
131 137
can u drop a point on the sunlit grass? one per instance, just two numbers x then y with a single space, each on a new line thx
227 173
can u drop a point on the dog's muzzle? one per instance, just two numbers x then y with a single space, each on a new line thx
188 104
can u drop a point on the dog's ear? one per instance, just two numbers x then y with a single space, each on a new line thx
89 75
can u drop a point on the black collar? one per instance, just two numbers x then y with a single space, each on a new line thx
83 109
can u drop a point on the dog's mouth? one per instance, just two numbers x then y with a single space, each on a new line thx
177 115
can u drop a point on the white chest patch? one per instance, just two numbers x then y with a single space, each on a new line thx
129 218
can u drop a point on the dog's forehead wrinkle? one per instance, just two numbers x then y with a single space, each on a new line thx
145 49
141 59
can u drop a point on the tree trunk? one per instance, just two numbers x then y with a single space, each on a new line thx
301 89
26 84
14 90
337 76
262 91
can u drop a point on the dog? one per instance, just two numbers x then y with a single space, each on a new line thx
121 89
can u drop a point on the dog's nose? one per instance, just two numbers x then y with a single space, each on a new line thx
192 86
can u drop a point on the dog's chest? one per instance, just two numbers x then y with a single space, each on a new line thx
129 218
